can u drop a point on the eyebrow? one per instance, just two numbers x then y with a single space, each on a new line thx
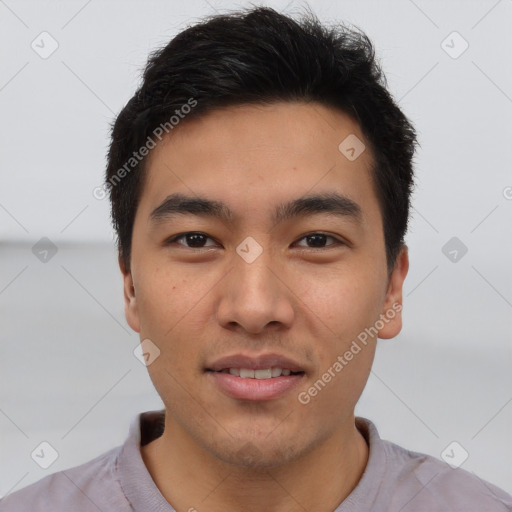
330 203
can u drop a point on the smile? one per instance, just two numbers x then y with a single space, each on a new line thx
266 373
255 385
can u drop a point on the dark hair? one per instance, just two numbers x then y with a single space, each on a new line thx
259 56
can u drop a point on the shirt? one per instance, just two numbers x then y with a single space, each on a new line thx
395 479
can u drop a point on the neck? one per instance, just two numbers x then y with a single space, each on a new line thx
189 477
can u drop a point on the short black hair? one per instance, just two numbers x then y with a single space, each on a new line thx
259 56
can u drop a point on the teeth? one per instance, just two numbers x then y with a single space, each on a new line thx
263 374
276 372
266 373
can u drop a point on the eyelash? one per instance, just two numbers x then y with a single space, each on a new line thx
338 242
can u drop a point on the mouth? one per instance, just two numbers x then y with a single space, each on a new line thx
266 377
260 374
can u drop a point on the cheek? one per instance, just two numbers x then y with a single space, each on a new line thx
174 310
343 306
343 302
163 298
333 392
157 307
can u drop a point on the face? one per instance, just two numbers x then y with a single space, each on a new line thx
240 281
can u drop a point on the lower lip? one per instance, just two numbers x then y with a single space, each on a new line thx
254 389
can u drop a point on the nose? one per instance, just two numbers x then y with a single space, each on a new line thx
254 296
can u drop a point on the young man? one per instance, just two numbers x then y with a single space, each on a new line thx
260 182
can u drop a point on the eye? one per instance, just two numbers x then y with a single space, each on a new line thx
194 239
197 240
318 239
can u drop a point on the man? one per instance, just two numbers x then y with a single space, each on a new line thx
260 181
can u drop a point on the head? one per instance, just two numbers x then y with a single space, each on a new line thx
260 181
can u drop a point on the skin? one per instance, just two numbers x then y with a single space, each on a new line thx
198 304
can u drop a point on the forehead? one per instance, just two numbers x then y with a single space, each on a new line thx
298 126
259 155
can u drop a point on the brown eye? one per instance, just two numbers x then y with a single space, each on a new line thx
193 240
317 240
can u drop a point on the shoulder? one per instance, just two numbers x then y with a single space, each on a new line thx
423 482
87 487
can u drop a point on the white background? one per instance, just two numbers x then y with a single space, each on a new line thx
67 372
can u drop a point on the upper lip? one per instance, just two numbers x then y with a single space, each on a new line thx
259 362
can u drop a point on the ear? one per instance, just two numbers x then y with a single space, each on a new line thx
130 302
391 314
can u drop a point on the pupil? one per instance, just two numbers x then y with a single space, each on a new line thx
317 237
195 237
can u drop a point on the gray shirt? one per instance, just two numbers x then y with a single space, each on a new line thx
395 480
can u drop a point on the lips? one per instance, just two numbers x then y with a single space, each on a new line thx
267 373
261 362
257 378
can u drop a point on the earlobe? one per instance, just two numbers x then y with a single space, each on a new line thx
391 314
130 301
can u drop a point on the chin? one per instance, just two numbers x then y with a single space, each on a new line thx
254 454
